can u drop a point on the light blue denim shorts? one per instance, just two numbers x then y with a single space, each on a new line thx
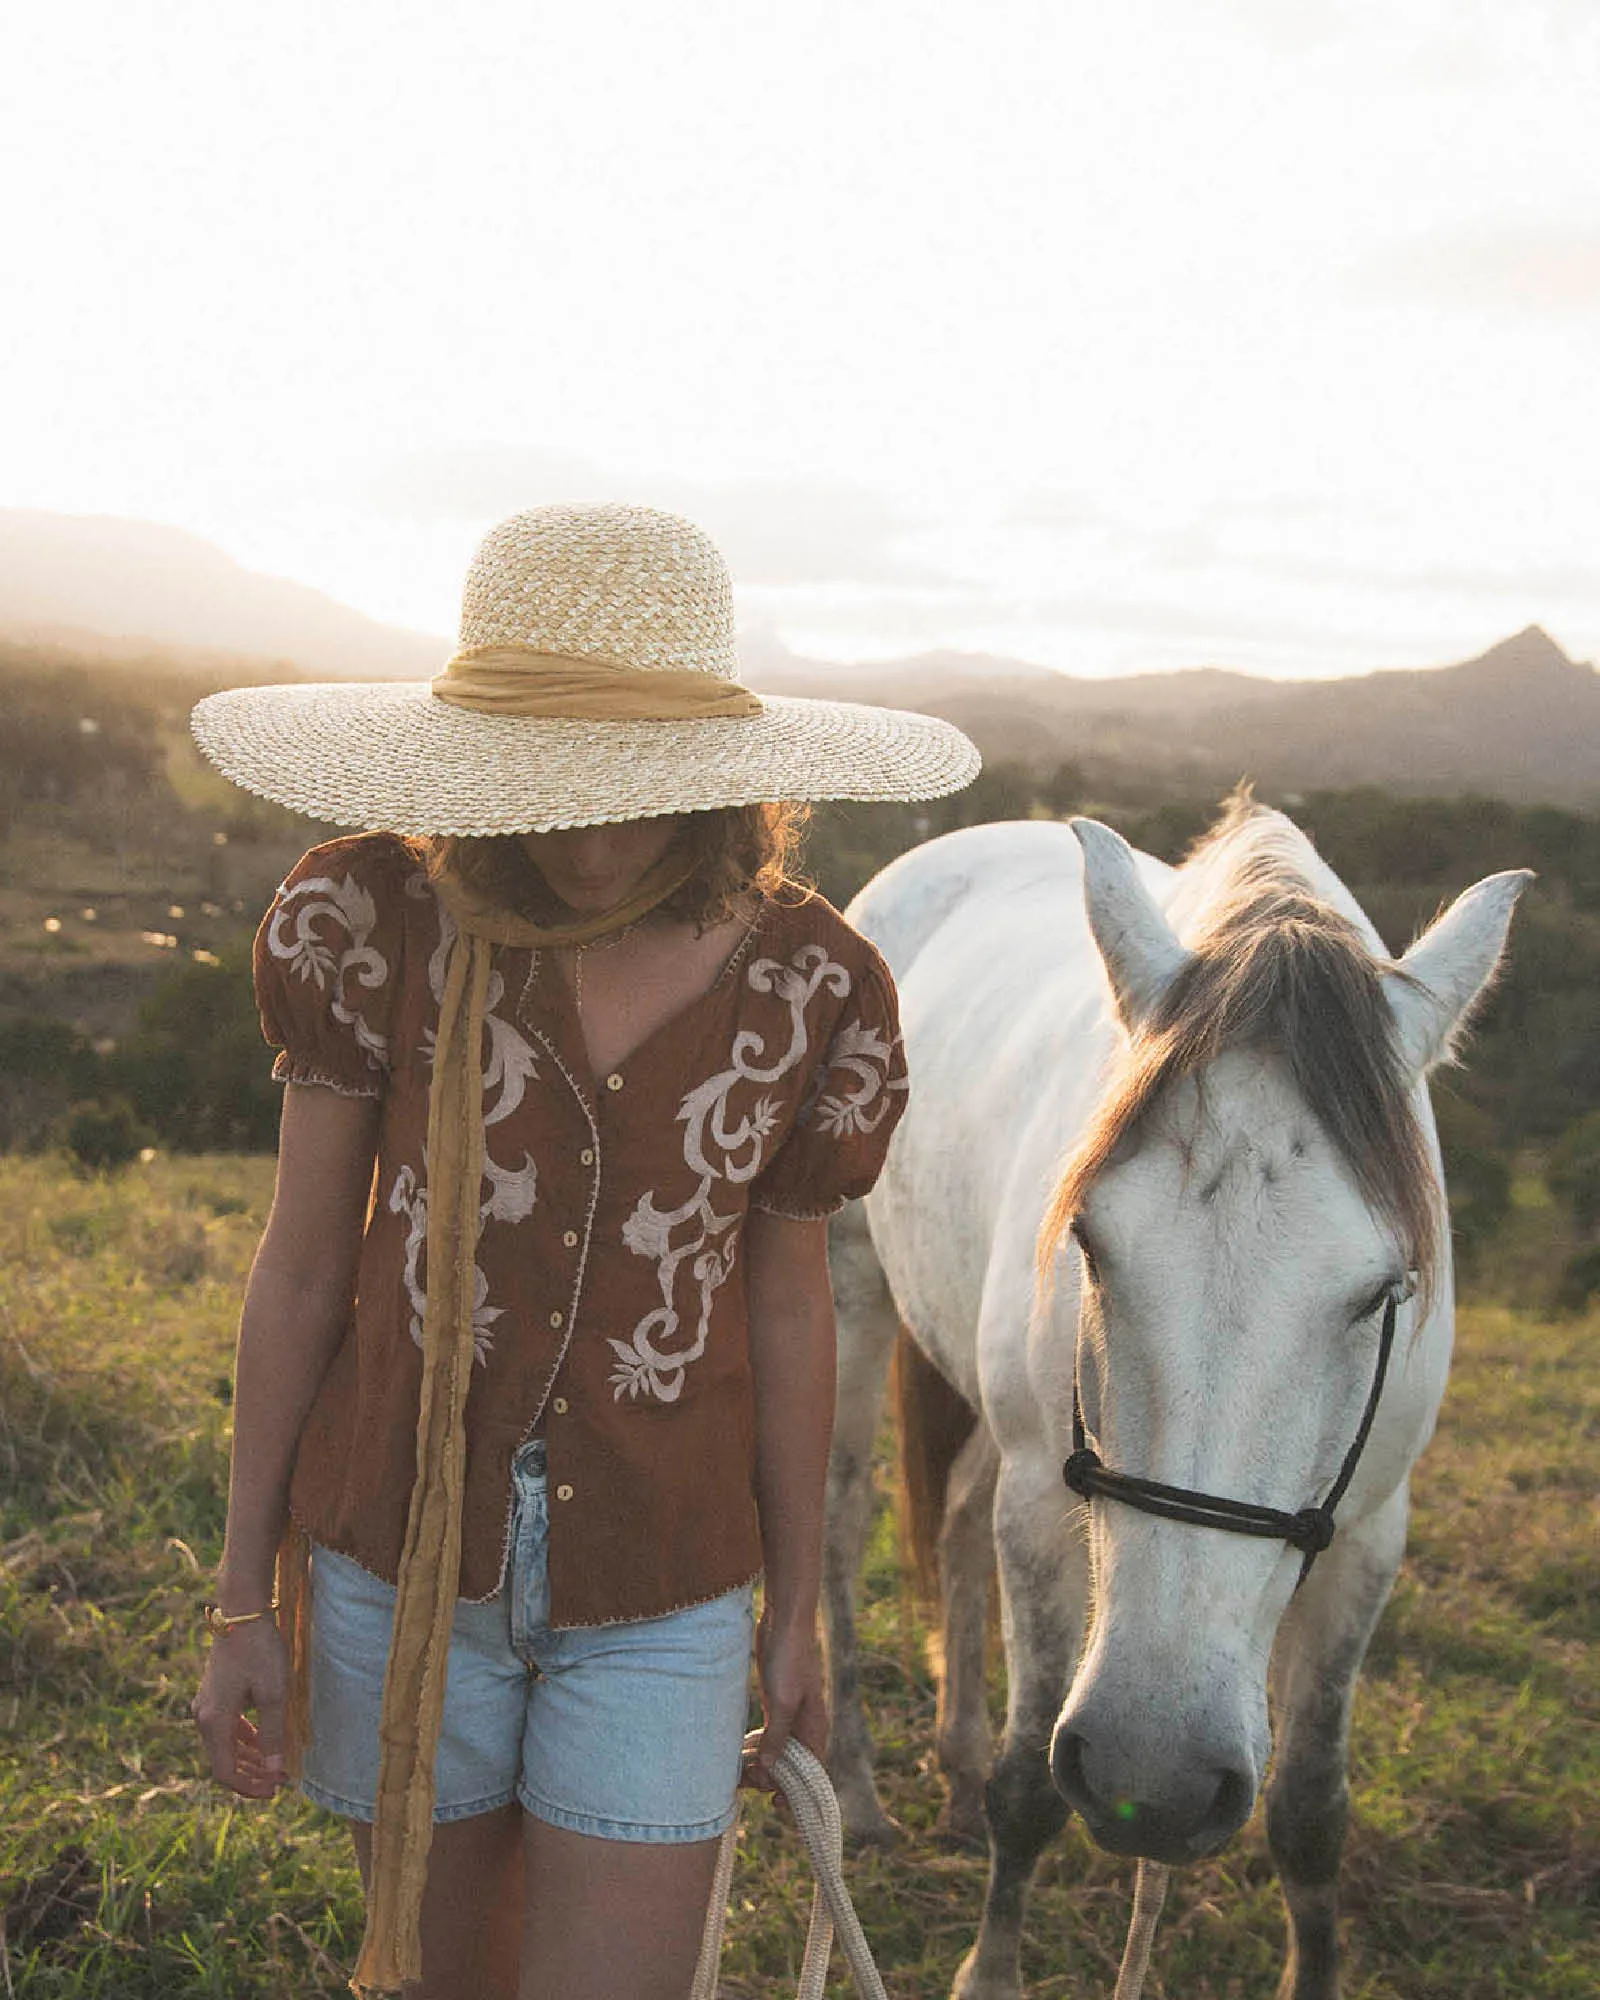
630 1731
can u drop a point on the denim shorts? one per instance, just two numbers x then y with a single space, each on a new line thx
629 1731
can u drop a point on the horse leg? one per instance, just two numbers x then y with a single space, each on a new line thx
867 1330
1042 1588
966 1564
1321 1644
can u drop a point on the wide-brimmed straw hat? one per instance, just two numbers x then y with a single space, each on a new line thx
596 679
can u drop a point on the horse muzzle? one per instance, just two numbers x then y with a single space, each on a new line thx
1172 1804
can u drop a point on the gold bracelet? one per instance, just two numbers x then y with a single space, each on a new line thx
219 1622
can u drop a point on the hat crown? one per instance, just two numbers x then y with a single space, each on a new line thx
630 585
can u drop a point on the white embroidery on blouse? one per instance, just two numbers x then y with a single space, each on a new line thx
309 956
409 1197
864 1053
717 1149
507 1072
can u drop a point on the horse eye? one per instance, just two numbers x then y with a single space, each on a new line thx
1398 1289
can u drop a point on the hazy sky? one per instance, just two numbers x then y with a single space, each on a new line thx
1261 332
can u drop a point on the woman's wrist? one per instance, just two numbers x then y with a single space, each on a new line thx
782 1613
242 1590
223 1624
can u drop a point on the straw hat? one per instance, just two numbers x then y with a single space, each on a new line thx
595 680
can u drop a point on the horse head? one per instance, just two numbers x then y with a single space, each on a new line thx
1258 1193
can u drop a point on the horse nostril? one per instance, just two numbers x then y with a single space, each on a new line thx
1066 1769
1236 1796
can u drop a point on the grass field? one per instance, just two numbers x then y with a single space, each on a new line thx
1474 1859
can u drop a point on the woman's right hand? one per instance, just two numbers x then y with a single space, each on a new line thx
247 1668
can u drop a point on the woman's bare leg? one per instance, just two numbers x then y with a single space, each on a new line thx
611 1919
471 1907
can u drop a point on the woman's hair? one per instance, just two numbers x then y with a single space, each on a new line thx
734 849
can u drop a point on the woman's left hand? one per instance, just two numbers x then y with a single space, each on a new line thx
789 1662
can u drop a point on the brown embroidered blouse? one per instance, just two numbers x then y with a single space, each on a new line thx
610 1294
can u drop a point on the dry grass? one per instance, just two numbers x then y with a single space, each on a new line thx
1473 1860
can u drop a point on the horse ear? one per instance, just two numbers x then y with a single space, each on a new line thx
1136 943
1435 986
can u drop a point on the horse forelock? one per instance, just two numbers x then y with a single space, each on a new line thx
1275 967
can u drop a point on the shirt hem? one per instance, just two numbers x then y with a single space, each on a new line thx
556 1624
665 1611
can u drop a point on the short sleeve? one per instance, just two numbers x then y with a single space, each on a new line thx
835 1150
327 966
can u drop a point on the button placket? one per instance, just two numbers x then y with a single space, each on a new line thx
572 1239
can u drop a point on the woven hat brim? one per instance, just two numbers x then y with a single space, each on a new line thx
391 754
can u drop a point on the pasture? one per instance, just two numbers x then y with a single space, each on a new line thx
1473 1866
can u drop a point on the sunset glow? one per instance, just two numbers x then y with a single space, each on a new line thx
1188 331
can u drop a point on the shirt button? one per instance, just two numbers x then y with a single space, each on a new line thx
613 1081
586 1157
563 1492
558 1319
571 1239
560 1406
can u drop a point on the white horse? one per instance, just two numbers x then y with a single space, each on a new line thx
1168 1157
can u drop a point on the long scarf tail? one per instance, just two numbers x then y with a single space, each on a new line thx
430 1562
430 1559
294 1623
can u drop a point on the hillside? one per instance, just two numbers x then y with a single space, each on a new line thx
119 589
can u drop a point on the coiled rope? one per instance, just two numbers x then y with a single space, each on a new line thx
810 1797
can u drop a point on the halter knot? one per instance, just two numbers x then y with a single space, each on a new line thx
1079 1468
1313 1530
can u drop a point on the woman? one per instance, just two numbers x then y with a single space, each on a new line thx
535 1367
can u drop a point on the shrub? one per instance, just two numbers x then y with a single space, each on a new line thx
104 1134
45 1066
1477 1176
1580 1280
196 1068
1573 1172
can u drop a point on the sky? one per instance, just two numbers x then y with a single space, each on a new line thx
1257 333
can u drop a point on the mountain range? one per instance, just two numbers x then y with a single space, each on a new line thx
1521 720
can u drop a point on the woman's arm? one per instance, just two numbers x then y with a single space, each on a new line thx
296 1309
792 1341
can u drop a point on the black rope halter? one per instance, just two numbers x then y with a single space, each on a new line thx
1310 1531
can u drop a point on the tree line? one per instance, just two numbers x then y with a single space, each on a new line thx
192 1074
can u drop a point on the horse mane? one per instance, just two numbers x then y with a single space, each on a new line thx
1275 966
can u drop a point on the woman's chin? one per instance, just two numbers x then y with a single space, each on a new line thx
583 902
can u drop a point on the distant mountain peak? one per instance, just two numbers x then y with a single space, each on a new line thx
1530 654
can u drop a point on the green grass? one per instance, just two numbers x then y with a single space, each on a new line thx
1472 1865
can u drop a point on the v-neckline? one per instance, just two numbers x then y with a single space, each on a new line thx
572 1020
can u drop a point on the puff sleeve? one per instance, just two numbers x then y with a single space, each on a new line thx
854 1097
327 966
